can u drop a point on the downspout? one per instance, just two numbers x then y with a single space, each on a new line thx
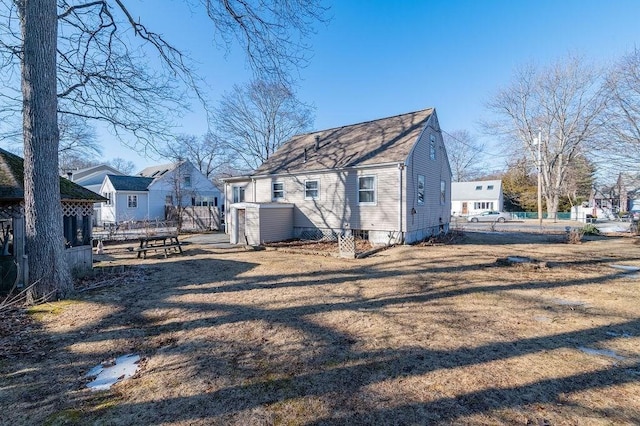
226 208
400 202
253 182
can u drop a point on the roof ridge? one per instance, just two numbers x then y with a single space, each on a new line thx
363 122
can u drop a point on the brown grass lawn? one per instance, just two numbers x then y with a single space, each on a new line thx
439 334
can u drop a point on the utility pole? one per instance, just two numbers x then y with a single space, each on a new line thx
540 178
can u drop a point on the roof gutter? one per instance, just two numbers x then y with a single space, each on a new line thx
305 171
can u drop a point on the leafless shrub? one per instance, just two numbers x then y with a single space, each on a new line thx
574 236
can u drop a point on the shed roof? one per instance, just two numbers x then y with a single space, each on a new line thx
476 190
130 183
381 141
12 182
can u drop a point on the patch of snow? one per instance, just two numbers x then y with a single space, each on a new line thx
605 229
124 367
626 268
519 259
601 352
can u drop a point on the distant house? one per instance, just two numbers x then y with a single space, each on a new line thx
77 208
468 198
147 195
92 178
628 188
387 180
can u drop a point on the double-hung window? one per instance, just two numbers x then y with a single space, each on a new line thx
311 189
132 201
420 189
238 194
186 181
367 190
108 196
277 191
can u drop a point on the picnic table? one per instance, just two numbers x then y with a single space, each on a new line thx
165 243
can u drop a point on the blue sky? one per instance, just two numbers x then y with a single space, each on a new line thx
380 58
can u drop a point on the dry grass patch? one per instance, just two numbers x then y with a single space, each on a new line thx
435 334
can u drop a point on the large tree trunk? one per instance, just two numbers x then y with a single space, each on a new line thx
48 268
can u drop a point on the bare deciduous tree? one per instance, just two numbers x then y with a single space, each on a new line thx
206 153
95 70
623 119
465 155
255 119
565 103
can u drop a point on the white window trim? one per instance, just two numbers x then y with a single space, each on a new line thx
273 197
424 187
238 188
186 181
375 191
317 197
443 192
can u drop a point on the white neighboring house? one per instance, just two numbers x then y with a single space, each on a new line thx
146 196
92 178
469 198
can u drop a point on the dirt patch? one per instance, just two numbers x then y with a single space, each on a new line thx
428 334
325 248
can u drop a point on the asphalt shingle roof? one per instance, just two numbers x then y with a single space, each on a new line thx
476 190
12 182
130 183
373 142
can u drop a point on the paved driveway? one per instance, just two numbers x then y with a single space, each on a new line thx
219 239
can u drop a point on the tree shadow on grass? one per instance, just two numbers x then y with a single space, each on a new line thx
281 354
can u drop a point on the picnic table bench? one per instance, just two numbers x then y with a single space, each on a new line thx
165 243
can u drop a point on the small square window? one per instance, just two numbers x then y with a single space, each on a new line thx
132 201
479 188
311 189
489 187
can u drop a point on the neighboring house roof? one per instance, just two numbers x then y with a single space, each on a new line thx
12 182
130 183
476 190
386 140
160 170
92 175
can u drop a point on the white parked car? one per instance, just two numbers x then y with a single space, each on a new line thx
490 216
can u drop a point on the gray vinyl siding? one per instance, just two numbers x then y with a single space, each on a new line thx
427 216
276 224
337 206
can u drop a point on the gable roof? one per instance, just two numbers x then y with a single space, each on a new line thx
130 183
476 190
385 140
90 173
12 182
